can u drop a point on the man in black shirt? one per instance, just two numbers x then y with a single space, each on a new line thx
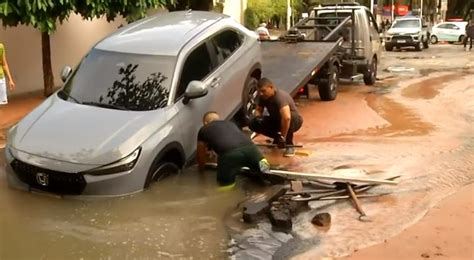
234 149
283 119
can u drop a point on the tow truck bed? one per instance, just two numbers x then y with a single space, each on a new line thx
290 65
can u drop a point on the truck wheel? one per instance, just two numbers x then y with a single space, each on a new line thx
371 74
434 39
328 86
388 47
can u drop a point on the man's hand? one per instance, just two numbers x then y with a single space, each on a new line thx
281 142
201 155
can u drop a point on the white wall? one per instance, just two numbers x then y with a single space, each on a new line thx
69 44
234 8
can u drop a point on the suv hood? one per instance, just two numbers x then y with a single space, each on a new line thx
75 133
403 30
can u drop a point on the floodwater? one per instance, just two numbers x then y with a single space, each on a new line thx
180 218
419 128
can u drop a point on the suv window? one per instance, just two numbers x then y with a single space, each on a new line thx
226 43
196 67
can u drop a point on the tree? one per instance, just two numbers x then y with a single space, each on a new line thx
43 15
203 5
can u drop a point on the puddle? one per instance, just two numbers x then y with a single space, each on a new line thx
180 217
428 89
416 57
399 69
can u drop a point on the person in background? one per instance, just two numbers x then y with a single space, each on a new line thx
469 34
4 71
263 32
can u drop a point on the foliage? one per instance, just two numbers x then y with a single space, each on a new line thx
250 18
43 15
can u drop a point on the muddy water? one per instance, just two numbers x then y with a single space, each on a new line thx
181 217
429 140
402 129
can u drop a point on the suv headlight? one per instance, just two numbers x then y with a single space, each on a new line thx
125 164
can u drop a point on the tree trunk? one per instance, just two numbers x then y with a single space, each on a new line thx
48 79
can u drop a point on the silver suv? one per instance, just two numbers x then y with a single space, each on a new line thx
130 112
407 32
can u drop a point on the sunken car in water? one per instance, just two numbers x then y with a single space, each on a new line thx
129 113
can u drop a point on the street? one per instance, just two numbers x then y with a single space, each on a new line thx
417 122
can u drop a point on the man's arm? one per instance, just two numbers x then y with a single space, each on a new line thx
285 115
201 155
258 111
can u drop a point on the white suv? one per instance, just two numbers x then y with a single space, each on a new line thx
407 32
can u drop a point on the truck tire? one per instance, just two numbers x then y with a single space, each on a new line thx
388 47
370 75
329 84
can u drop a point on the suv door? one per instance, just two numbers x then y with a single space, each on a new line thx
197 65
231 71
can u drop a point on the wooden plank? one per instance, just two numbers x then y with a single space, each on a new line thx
274 145
332 177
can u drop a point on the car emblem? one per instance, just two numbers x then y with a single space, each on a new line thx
42 179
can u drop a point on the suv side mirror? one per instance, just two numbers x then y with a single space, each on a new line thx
65 73
195 89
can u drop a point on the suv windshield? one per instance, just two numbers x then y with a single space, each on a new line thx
406 24
122 81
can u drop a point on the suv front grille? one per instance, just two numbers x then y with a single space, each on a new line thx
49 180
402 37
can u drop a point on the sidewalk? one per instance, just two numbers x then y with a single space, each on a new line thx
15 110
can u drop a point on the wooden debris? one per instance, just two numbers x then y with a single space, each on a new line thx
325 176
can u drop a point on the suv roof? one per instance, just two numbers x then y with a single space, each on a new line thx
160 34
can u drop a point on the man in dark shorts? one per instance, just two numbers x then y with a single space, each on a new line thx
233 148
283 119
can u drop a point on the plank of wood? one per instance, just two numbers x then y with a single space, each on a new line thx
332 177
274 145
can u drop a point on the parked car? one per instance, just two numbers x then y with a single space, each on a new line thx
130 112
407 32
448 31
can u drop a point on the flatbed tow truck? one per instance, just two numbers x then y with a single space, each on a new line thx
335 41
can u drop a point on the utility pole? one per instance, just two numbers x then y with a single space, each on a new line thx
288 14
421 10
393 7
